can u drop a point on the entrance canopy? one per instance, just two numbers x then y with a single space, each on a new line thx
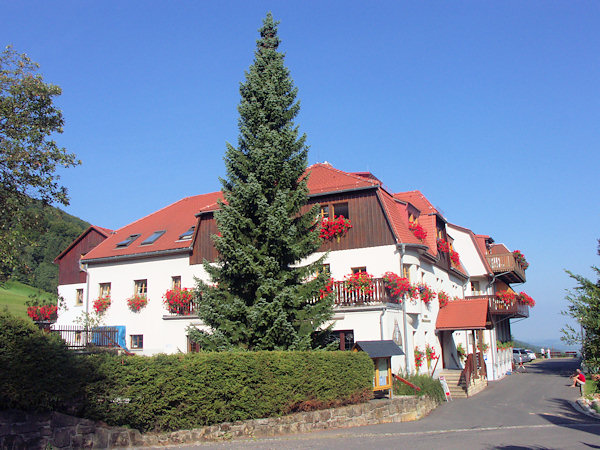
464 315
378 349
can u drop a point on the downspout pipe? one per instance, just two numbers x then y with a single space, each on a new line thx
407 367
87 300
381 321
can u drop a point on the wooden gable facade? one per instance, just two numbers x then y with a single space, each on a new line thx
69 269
370 227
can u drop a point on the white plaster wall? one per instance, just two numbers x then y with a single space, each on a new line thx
469 256
377 260
163 333
160 335
68 292
421 318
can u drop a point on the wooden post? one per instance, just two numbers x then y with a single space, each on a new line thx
474 362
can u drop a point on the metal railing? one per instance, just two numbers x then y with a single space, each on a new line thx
79 337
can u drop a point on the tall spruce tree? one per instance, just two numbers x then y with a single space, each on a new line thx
261 297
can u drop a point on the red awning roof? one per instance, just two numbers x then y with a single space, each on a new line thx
463 315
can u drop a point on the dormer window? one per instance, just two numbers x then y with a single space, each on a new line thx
153 237
126 242
335 210
188 234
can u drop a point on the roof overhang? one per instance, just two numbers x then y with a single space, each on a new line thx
464 315
155 254
379 349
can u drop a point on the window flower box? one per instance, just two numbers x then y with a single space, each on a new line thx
101 304
334 228
507 297
417 230
443 245
455 258
137 302
526 299
45 313
396 286
520 258
179 301
426 293
360 283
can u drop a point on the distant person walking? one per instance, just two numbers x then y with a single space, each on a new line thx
542 352
548 353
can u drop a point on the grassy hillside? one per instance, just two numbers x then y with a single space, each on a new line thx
13 295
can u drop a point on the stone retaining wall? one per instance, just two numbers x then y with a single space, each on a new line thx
20 430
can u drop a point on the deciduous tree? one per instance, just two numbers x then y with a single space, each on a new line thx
584 307
29 157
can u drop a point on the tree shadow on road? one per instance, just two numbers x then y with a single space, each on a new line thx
561 367
569 418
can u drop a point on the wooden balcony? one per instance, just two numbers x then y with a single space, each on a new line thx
506 268
498 307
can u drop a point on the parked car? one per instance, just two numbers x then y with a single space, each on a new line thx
517 358
524 355
531 354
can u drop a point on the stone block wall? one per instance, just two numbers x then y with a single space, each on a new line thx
20 430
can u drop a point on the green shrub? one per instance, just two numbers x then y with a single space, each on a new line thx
170 392
37 370
429 387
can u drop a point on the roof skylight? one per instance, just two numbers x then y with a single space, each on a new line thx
129 240
153 237
188 234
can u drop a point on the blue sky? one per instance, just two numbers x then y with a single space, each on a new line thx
491 109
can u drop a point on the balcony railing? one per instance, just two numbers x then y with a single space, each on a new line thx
346 297
78 337
497 306
507 266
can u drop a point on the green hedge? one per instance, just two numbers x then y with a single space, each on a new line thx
170 392
37 371
429 387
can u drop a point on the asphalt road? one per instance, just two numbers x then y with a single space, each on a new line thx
522 411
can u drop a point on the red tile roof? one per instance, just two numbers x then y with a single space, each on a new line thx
397 215
497 249
325 178
418 200
175 219
463 315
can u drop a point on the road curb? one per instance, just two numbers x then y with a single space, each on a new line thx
582 405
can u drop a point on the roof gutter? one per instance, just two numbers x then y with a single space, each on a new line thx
108 259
